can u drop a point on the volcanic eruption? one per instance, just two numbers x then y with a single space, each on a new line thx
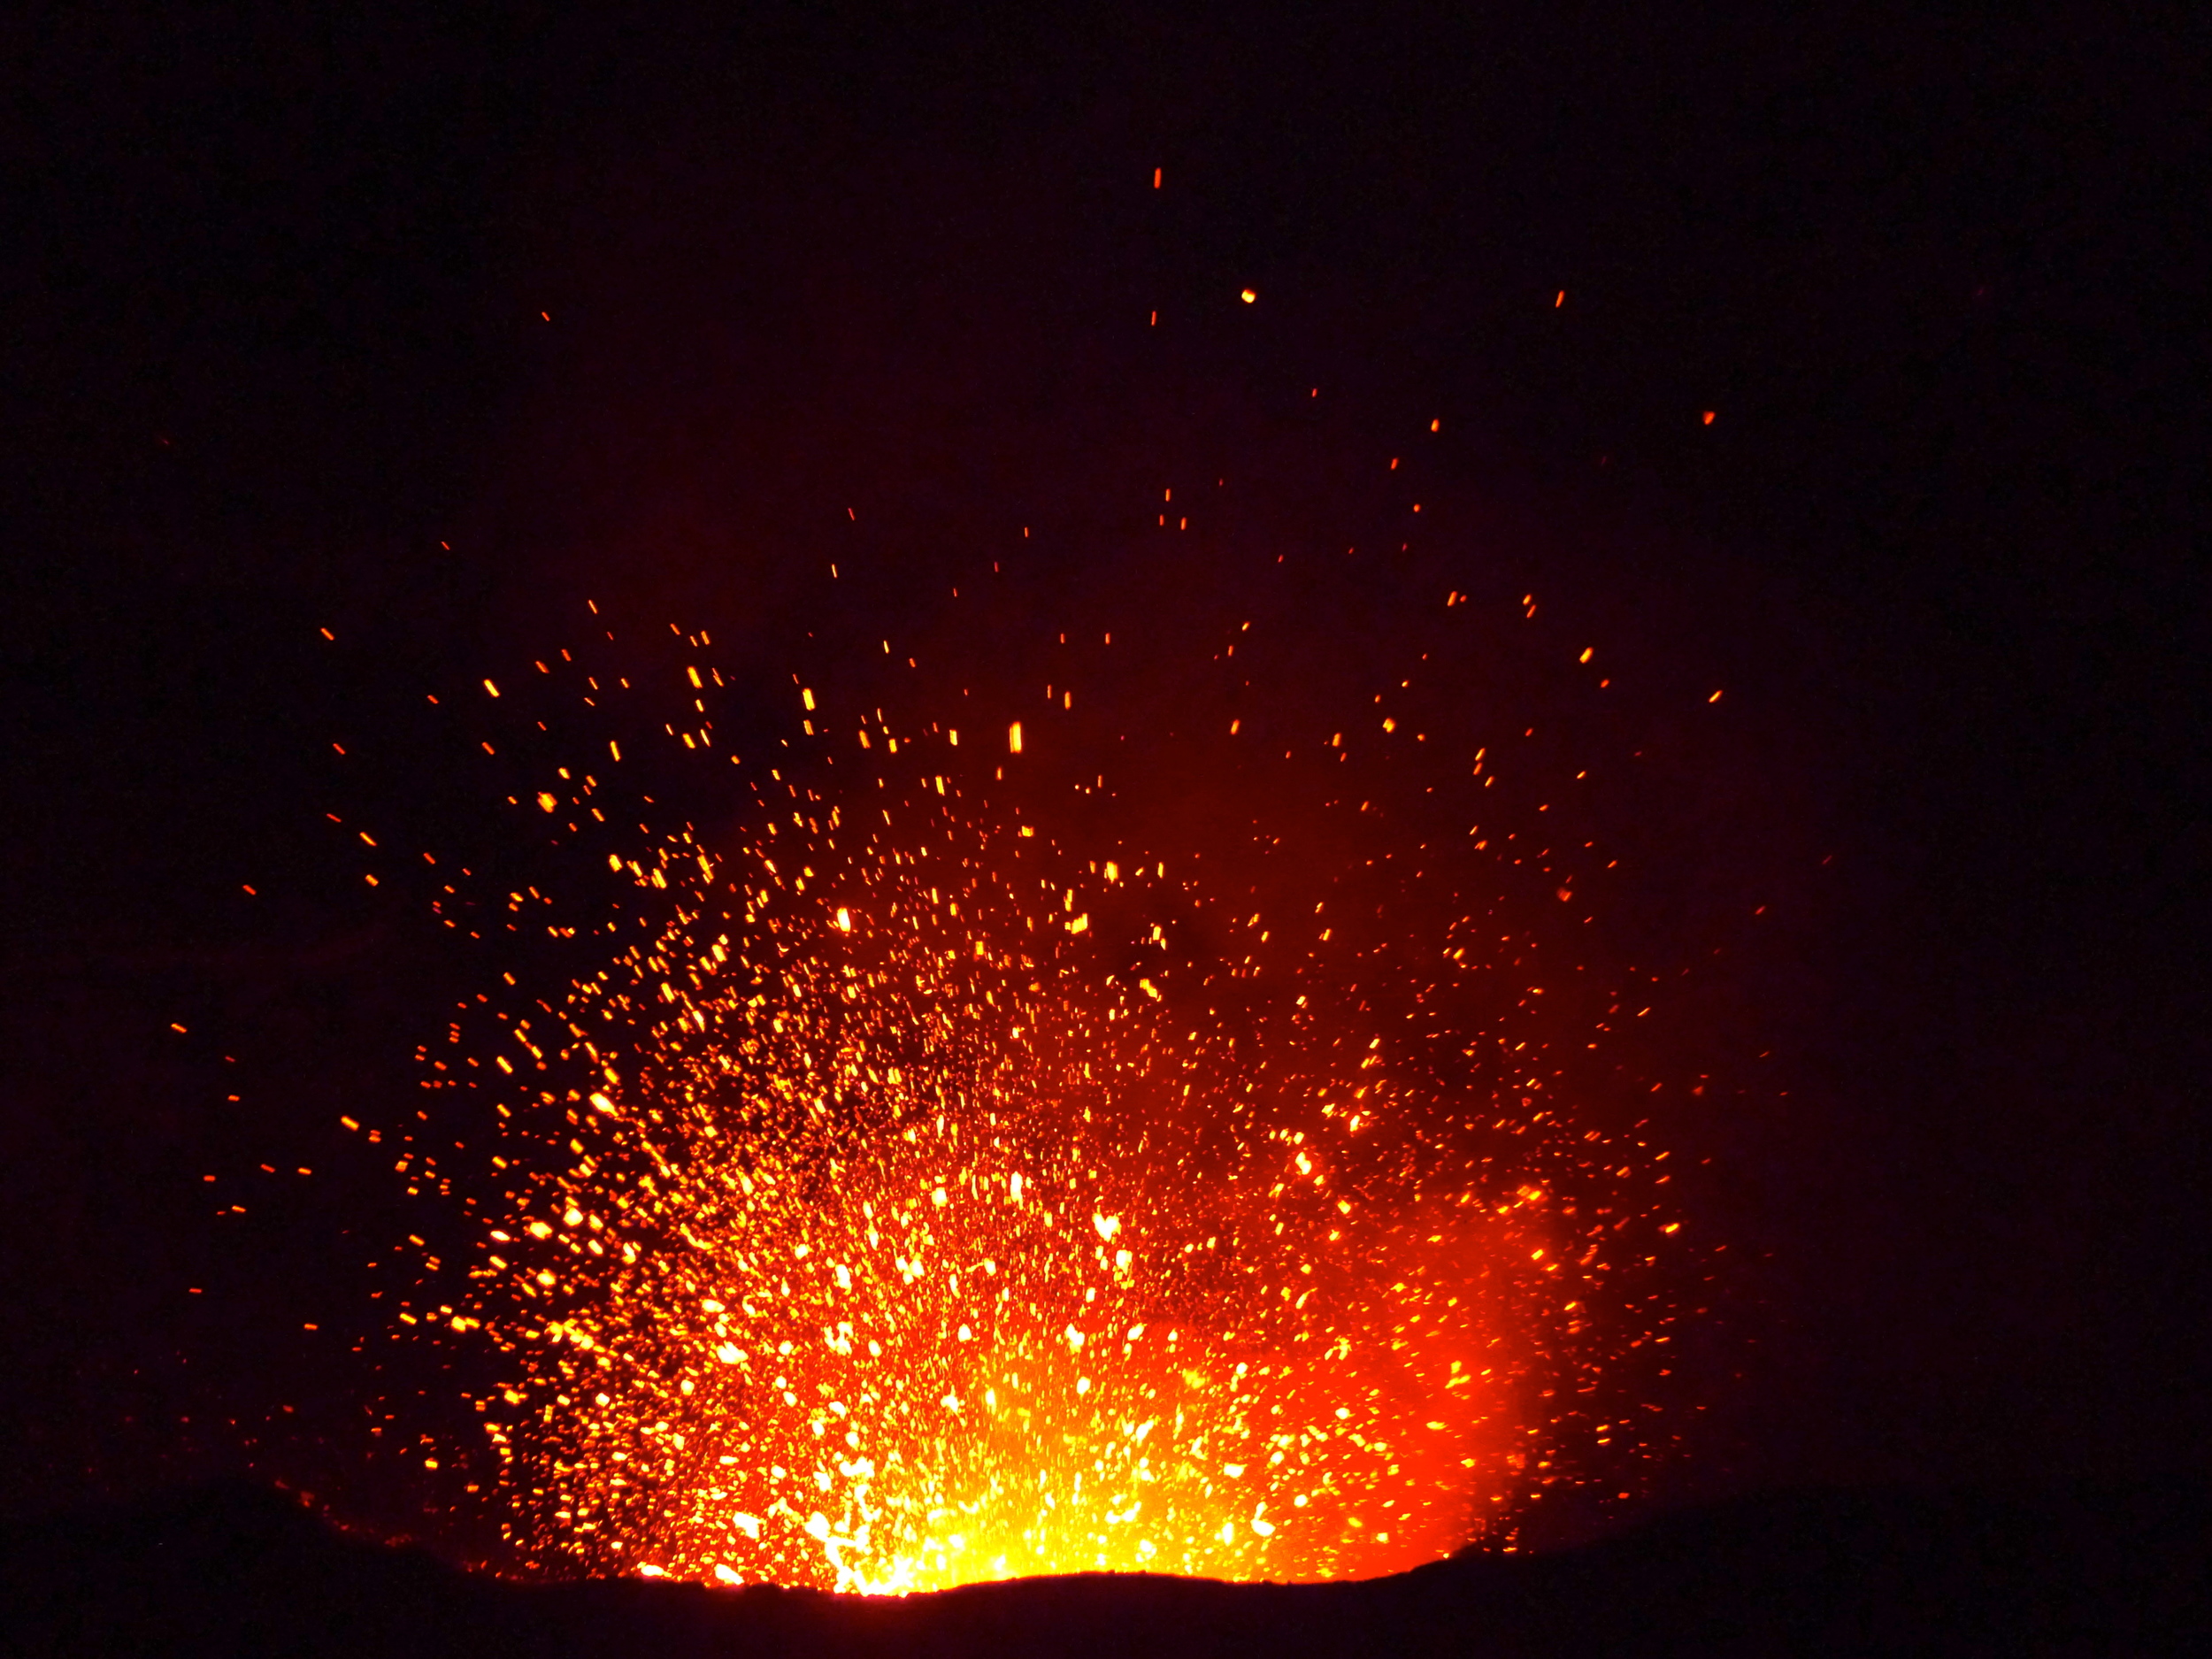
895 1194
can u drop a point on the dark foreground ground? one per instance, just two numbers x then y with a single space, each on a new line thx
236 1571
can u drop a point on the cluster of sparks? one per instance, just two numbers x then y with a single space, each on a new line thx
893 1205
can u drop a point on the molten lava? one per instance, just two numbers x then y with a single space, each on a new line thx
904 1208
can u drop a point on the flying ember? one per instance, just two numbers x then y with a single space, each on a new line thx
902 1205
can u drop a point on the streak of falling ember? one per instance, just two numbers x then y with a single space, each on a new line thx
900 1210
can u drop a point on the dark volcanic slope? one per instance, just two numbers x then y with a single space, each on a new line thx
239 1571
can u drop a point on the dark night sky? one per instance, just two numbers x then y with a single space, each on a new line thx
274 295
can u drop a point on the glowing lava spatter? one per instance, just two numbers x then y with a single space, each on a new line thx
903 1211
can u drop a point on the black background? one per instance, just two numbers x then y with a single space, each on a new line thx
421 330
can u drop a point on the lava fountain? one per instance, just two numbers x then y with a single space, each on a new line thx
891 1204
